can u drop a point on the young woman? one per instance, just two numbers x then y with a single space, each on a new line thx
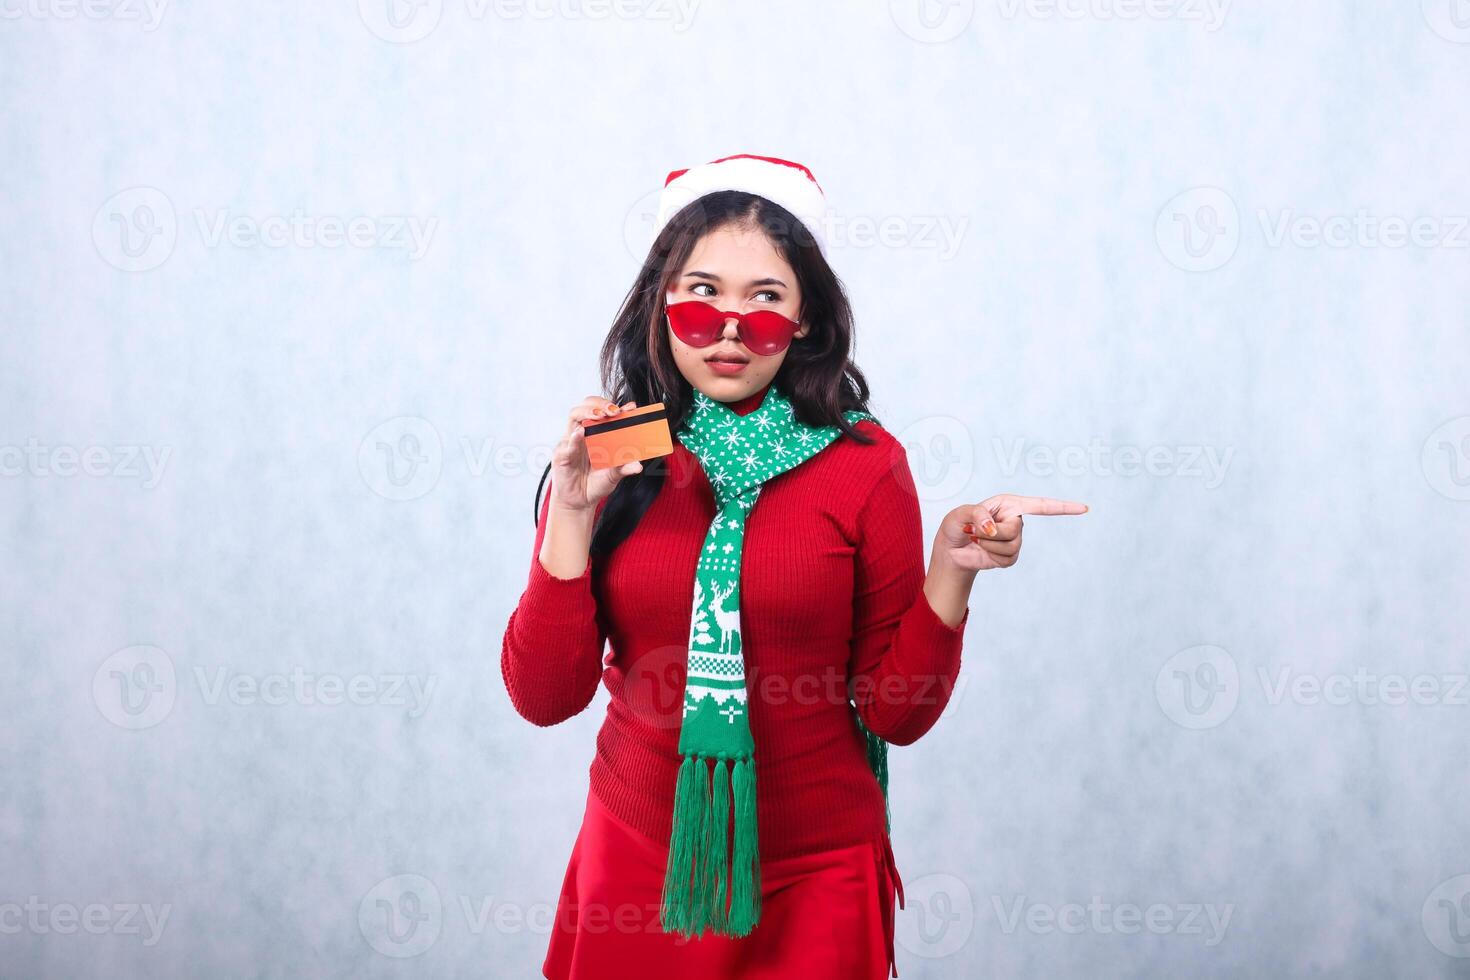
762 657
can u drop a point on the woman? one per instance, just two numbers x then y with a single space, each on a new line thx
761 657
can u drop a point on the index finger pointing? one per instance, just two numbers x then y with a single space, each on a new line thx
1048 506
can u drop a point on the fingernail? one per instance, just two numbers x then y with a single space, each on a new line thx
989 528
969 528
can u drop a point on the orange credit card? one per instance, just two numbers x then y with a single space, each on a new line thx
637 434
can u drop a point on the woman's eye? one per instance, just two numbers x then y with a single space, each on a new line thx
773 297
695 289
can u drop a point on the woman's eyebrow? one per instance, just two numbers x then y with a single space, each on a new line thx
768 281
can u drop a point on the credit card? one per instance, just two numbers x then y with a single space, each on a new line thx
637 434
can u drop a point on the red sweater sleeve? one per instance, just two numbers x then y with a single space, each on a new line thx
551 656
904 659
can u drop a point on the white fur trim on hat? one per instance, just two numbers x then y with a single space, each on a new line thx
780 181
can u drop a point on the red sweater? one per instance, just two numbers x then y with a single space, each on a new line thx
831 586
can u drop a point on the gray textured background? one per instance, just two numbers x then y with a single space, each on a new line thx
265 501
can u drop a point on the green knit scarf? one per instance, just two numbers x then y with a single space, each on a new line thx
712 884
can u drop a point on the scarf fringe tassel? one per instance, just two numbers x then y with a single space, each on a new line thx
878 762
704 890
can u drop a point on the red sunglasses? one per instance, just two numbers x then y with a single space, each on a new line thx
700 324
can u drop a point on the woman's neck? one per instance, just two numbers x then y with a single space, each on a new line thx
749 403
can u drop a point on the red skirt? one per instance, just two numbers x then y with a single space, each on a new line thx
826 916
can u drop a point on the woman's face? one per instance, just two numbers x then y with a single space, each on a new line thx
733 268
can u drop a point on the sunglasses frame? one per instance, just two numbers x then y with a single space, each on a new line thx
680 318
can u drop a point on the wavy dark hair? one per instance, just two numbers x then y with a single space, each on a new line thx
637 364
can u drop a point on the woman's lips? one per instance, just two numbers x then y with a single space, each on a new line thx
728 366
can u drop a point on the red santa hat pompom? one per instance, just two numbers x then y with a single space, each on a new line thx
782 182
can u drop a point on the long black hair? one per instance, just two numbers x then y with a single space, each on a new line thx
637 364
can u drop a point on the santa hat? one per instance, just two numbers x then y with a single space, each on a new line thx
782 182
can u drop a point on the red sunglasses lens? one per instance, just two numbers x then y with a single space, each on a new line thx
697 324
766 331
